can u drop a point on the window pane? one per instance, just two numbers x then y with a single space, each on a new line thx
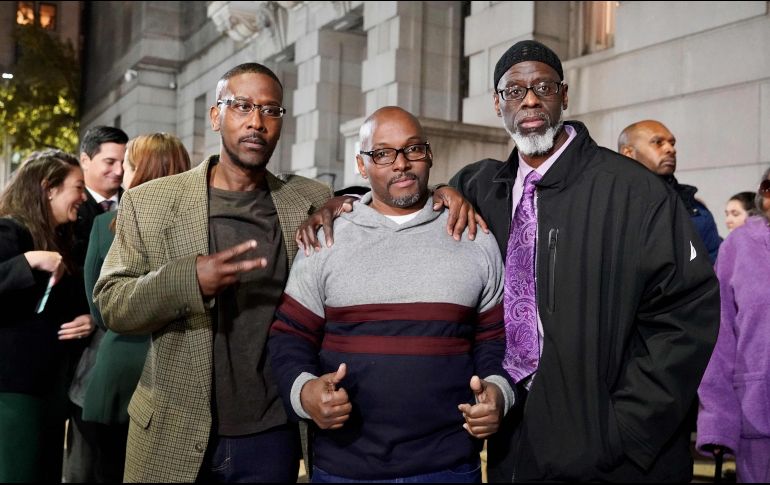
25 13
48 16
598 26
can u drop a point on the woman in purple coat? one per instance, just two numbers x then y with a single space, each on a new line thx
734 414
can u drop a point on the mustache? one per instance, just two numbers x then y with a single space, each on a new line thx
402 177
253 138
523 115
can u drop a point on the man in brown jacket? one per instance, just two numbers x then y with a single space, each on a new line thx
199 261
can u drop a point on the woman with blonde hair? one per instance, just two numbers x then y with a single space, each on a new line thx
44 313
120 358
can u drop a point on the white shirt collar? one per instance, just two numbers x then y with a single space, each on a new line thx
98 197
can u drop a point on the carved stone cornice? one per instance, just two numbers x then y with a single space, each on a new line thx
243 21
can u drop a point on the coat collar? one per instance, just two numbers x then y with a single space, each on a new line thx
291 206
567 168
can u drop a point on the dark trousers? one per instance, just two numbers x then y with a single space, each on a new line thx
110 452
465 473
501 447
269 456
80 456
96 452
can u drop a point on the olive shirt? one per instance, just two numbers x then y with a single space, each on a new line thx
246 401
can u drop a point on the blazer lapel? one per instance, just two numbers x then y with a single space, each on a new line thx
190 235
292 208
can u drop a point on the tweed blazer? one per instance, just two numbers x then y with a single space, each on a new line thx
148 284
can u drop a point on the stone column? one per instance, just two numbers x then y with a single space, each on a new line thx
328 94
413 57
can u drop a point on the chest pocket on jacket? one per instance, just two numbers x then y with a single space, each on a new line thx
550 283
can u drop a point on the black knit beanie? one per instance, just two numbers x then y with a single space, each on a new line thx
527 50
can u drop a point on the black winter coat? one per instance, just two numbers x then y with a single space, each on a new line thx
630 310
32 358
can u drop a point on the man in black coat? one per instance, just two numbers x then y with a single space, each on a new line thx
650 143
102 150
624 302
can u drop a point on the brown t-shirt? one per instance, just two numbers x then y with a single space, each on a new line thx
245 398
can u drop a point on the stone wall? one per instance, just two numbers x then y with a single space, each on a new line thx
702 68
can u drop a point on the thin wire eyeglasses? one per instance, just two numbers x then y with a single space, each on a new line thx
245 107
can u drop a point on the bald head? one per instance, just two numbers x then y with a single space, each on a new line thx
396 158
650 143
387 116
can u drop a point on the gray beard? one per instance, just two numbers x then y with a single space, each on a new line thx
406 200
535 144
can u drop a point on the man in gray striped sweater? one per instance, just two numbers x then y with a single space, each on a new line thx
403 324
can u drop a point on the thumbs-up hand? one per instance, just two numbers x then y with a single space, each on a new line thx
483 418
328 406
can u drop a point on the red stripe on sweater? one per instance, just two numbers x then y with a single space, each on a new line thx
295 311
493 315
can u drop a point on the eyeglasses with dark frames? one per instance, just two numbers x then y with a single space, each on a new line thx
245 107
387 156
544 89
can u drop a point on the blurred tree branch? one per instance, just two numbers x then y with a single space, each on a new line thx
39 106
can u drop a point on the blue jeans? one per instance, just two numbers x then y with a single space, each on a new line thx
269 456
465 473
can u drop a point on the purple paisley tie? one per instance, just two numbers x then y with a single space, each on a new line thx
522 349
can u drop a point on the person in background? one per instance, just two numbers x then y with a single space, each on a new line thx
650 143
44 313
101 157
120 358
739 208
734 416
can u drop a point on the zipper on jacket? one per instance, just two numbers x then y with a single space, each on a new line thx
553 239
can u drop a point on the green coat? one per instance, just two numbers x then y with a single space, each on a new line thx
119 358
148 285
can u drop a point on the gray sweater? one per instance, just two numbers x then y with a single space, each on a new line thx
414 314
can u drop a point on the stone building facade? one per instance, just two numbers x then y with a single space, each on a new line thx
702 68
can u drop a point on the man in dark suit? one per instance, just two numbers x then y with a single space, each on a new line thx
101 156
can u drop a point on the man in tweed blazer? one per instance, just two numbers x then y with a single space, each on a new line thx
199 261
